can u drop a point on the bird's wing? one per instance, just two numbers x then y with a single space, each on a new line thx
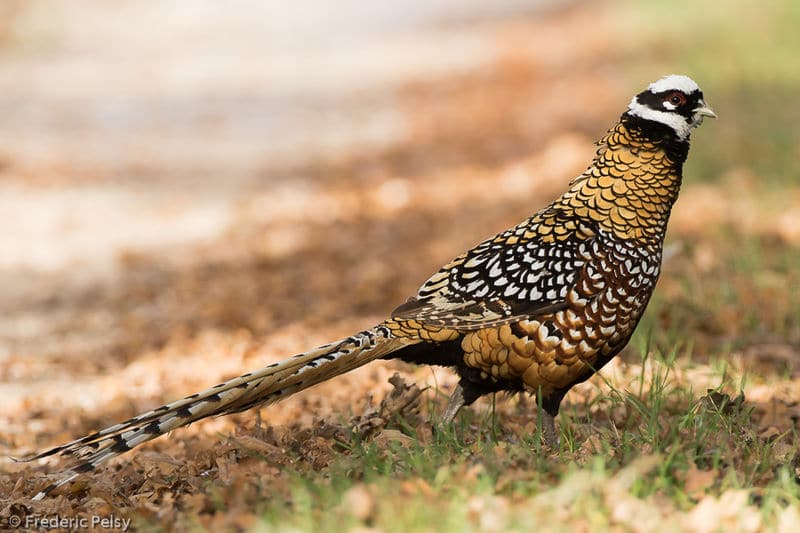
523 272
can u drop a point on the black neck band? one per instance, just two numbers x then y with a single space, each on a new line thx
660 134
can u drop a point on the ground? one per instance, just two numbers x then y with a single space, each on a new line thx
228 188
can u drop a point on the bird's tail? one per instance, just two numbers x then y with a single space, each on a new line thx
262 387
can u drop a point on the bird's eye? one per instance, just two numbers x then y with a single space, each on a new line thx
676 98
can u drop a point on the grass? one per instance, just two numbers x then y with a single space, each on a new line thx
660 445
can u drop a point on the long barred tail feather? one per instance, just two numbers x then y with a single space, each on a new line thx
262 387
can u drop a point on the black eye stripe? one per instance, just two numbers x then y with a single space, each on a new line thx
655 101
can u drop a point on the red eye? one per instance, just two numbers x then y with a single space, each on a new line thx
676 98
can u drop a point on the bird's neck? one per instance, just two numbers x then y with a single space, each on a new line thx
633 181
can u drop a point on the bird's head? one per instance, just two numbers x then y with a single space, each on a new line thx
675 101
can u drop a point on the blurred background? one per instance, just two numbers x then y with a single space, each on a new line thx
191 188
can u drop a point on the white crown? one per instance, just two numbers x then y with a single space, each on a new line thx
674 82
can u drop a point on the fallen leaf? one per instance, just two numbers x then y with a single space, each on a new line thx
697 481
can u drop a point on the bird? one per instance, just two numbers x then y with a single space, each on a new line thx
537 308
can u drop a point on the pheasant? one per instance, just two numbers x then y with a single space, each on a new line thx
537 308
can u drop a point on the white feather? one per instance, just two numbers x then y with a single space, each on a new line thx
674 82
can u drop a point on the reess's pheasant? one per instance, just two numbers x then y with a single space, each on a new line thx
537 308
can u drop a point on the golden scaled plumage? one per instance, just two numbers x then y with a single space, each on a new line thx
416 330
630 188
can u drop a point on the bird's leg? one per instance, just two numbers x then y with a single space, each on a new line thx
454 405
465 394
549 434
546 412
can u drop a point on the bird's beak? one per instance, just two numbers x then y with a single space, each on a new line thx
703 110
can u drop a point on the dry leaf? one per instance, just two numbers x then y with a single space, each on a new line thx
697 482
